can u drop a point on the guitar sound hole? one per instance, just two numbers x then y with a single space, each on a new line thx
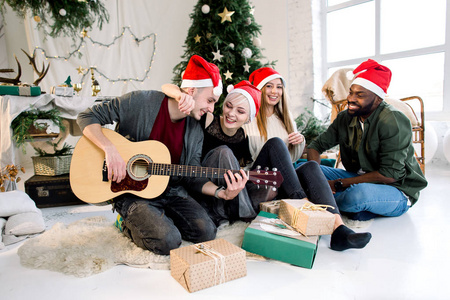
137 167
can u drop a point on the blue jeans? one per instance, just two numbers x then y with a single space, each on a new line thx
159 224
380 199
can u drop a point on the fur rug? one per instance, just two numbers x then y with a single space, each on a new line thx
93 245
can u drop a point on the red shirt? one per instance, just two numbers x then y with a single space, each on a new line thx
169 133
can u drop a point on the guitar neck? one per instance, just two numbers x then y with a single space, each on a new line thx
186 171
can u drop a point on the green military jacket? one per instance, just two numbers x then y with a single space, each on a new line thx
385 145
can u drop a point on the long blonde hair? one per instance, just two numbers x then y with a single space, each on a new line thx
280 110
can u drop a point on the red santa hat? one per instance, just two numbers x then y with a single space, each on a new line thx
200 73
260 77
373 76
252 94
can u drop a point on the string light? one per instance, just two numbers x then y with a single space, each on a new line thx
77 51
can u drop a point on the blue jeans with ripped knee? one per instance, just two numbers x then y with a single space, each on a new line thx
380 199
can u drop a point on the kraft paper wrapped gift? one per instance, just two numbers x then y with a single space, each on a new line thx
306 217
20 90
270 206
203 265
265 238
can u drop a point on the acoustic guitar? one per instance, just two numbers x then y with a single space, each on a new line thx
148 170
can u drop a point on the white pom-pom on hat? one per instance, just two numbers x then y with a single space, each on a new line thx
230 87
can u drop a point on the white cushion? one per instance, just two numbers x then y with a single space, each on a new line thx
2 225
25 223
404 108
16 202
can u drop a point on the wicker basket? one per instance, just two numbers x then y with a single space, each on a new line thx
51 165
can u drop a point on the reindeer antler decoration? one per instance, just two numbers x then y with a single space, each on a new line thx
33 64
16 80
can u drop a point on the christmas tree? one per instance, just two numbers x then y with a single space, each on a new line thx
226 34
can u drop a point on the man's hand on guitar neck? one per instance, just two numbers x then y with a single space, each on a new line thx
235 183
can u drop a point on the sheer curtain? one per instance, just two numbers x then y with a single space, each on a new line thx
127 50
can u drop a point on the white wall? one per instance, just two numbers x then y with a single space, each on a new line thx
285 34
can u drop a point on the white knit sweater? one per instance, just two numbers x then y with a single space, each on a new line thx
275 128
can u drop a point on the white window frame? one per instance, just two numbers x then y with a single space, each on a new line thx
443 115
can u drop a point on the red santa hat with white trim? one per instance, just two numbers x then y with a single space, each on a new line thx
373 76
200 73
261 76
252 94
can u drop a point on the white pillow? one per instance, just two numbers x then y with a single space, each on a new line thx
2 225
16 202
25 223
404 108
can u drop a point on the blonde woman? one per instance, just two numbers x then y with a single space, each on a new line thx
274 118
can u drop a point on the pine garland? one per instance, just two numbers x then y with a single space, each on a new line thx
63 17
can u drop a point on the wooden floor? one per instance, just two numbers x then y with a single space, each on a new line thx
407 258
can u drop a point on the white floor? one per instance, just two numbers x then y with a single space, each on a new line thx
407 258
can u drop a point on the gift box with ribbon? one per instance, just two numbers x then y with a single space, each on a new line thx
306 217
203 265
270 237
20 90
270 206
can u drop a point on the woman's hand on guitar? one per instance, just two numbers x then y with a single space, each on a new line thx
235 183
116 165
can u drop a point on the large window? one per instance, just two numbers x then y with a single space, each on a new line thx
408 36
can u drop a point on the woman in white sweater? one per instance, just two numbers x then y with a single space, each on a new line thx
274 118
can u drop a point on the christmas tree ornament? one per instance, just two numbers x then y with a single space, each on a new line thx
226 15
205 9
247 53
231 45
252 10
80 70
257 42
84 33
217 55
246 67
248 21
62 12
228 75
37 19
208 35
197 38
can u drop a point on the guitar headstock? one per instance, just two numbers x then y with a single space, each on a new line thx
266 177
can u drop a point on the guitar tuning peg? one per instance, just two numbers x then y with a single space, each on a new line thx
266 168
274 169
258 167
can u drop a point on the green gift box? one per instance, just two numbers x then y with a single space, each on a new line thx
20 90
297 249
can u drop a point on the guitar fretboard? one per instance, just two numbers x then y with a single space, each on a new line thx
186 171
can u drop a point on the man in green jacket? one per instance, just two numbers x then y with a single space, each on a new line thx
381 176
